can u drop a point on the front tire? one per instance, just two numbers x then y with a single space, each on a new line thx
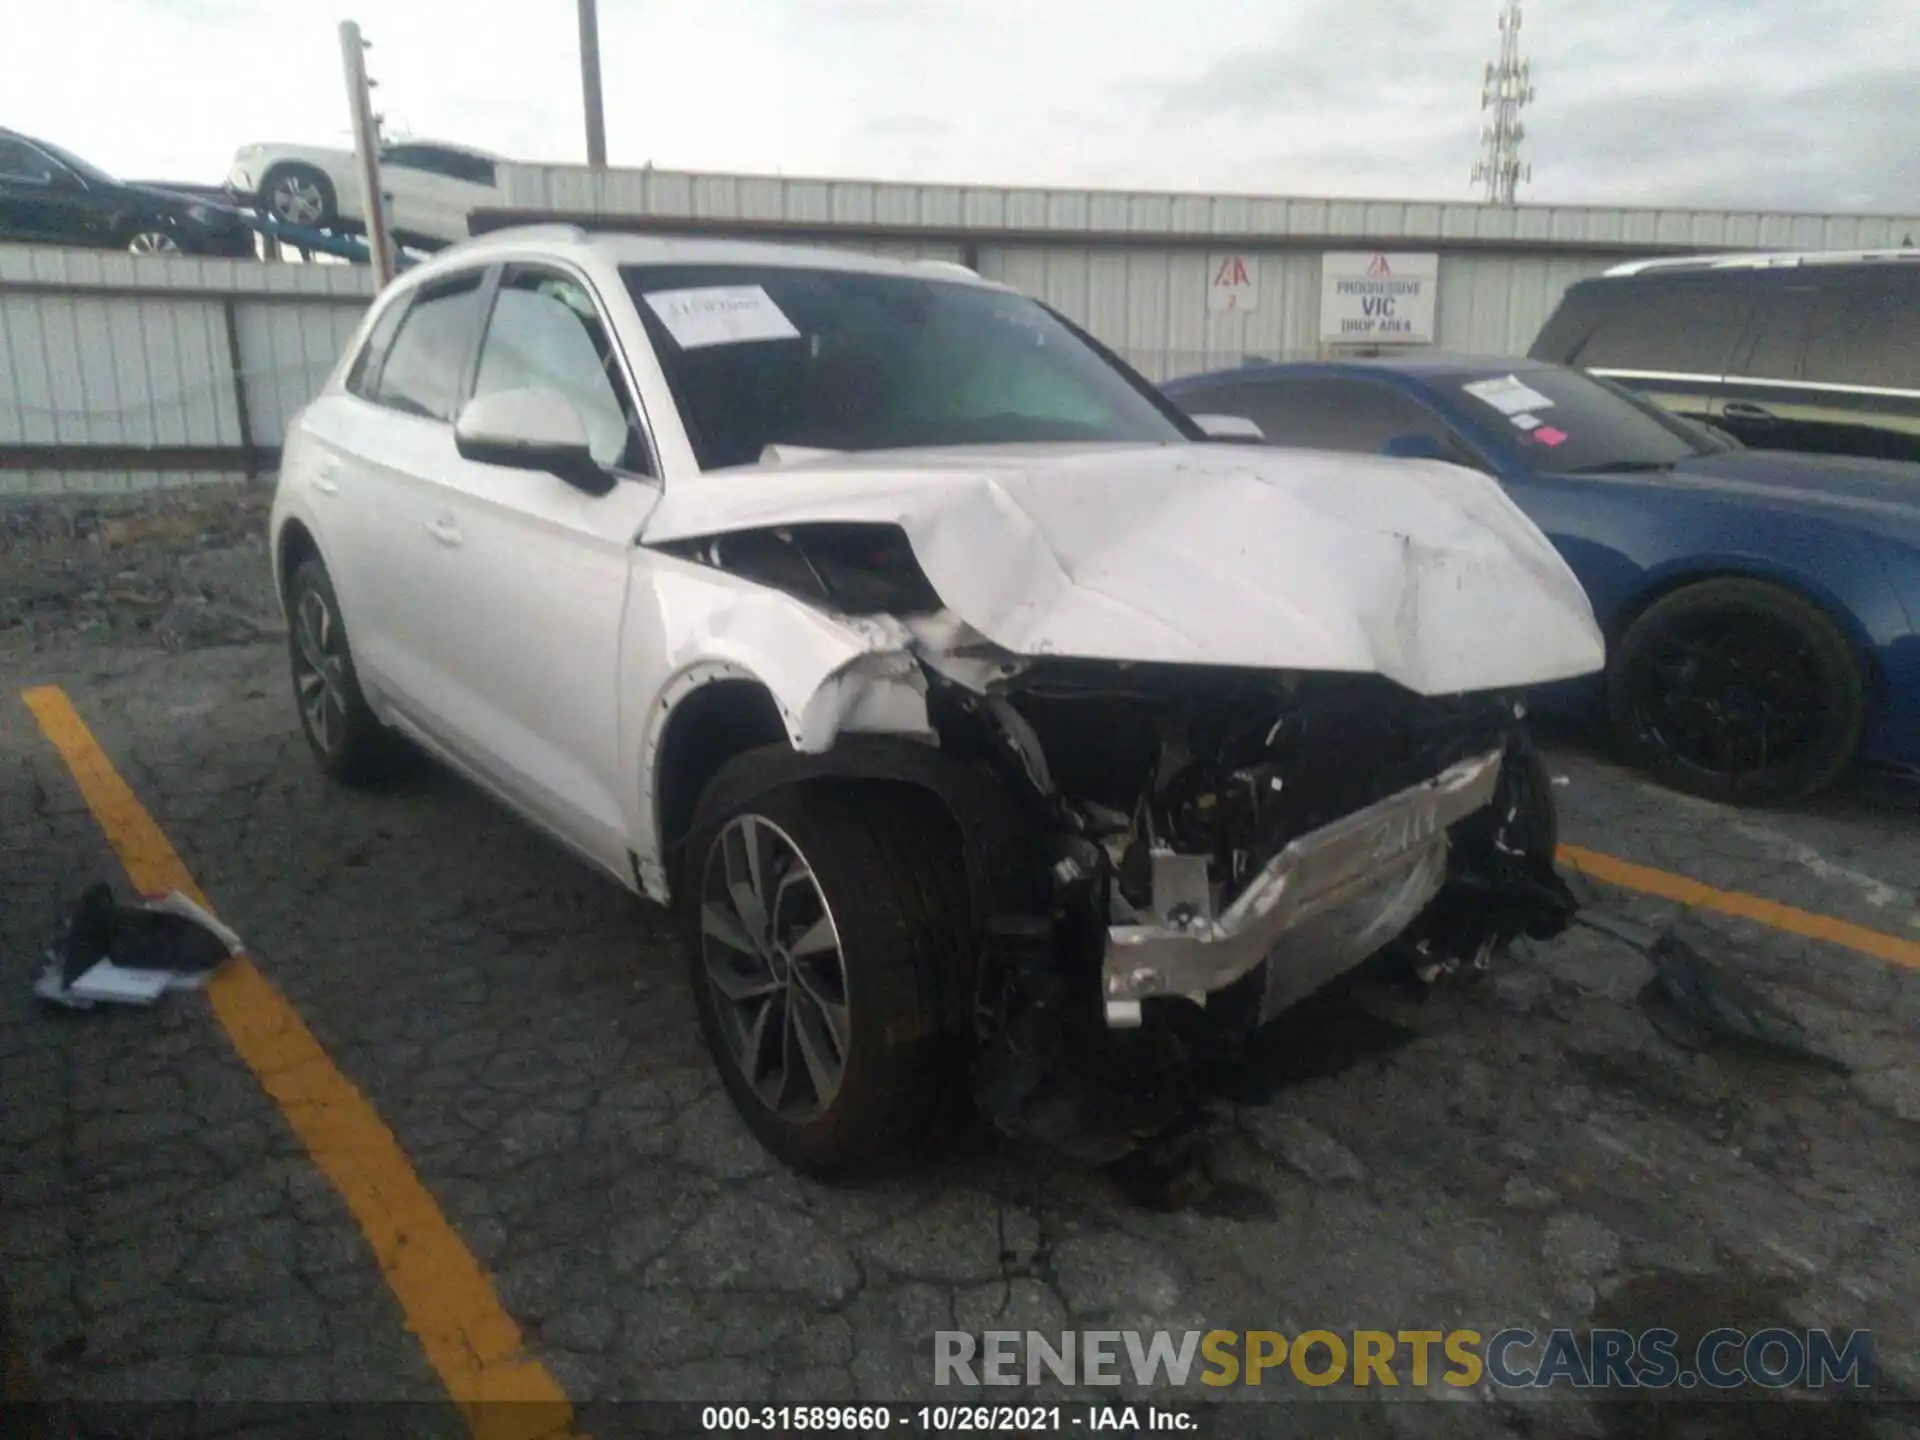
1737 690
347 741
830 942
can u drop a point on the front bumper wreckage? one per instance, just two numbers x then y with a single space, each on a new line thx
1327 901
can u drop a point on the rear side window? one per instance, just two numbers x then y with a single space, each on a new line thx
1354 416
426 366
1865 336
1780 324
1681 327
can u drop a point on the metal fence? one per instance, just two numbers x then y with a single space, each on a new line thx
121 373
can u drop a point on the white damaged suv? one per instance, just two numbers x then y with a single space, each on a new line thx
1004 739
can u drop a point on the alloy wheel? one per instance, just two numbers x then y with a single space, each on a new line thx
296 201
772 957
1731 693
153 242
319 672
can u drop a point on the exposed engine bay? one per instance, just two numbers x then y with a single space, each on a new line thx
1218 841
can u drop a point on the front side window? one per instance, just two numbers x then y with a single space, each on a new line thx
426 365
846 360
546 334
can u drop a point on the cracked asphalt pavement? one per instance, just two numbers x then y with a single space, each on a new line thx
1527 1151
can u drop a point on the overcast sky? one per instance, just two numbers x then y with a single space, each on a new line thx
1753 103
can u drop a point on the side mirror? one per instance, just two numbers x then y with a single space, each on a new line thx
530 430
1230 427
1416 447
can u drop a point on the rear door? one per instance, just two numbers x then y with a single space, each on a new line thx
529 574
1761 402
42 202
1859 382
395 448
434 189
1671 337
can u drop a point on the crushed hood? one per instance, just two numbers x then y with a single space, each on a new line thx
1198 554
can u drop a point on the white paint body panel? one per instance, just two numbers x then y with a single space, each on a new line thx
1217 555
530 635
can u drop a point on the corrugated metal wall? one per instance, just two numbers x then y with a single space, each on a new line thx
119 373
988 209
1151 304
188 364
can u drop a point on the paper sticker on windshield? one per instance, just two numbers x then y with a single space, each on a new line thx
720 315
1524 422
1547 435
1508 395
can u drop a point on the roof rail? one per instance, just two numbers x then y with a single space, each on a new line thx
949 267
546 230
1766 260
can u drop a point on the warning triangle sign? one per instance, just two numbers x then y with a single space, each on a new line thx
1378 268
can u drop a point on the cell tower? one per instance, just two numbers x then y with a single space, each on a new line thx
1505 90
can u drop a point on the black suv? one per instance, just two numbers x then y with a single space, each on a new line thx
1816 352
51 197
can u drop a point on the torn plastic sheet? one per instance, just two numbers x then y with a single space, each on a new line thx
1420 571
132 954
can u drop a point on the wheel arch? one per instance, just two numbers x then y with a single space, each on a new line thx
726 742
1659 583
294 546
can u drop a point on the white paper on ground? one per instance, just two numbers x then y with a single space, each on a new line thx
720 315
106 981
1508 395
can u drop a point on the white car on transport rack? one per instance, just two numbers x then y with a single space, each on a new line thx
432 186
1002 740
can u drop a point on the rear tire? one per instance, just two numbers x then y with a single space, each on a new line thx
296 194
1737 690
348 742
866 907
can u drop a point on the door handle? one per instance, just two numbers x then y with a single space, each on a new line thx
1745 410
444 532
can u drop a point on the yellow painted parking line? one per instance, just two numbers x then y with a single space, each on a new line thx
1812 926
448 1301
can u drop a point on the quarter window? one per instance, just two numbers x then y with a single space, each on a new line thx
1353 416
23 162
366 365
546 334
1864 337
423 371
1679 327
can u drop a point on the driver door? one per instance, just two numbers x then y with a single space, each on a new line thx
533 574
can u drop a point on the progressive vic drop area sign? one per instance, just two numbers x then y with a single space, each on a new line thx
1375 298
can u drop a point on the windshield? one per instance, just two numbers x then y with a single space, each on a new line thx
846 360
91 173
1564 421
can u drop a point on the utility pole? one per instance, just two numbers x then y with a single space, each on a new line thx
590 84
1506 89
366 143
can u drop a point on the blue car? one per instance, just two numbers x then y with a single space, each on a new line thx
1762 609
